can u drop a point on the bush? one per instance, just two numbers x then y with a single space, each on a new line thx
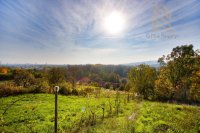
8 89
4 77
42 86
23 78
80 92
94 84
89 90
66 88
75 92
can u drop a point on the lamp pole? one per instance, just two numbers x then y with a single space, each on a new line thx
56 89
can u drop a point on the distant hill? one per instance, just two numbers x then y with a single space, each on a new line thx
150 63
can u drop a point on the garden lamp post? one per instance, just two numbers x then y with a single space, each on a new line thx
56 89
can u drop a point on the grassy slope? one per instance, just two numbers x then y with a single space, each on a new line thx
35 112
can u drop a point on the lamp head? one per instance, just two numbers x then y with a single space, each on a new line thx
56 88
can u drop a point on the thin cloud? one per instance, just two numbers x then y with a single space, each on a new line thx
71 32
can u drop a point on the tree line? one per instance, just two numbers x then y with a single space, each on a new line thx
42 80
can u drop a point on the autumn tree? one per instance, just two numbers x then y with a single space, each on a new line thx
180 65
23 78
163 89
194 92
3 70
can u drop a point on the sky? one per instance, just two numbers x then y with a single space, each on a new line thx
73 31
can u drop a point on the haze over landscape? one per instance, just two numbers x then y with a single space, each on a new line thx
105 32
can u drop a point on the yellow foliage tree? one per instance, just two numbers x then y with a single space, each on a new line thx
195 87
163 87
3 70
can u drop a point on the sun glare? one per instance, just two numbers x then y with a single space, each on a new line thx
114 23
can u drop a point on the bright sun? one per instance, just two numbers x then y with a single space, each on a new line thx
114 23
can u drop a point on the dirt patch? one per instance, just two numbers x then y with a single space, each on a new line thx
132 117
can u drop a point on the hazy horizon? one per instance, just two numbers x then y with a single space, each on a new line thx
129 63
95 32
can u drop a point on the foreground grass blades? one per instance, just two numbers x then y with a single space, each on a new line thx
35 113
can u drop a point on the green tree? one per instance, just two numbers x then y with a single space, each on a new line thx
113 77
123 84
142 80
56 76
72 77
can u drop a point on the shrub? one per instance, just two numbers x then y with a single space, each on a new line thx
80 92
66 88
23 78
8 89
94 84
4 77
75 92
89 89
42 86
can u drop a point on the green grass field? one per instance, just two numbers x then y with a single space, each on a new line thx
35 113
